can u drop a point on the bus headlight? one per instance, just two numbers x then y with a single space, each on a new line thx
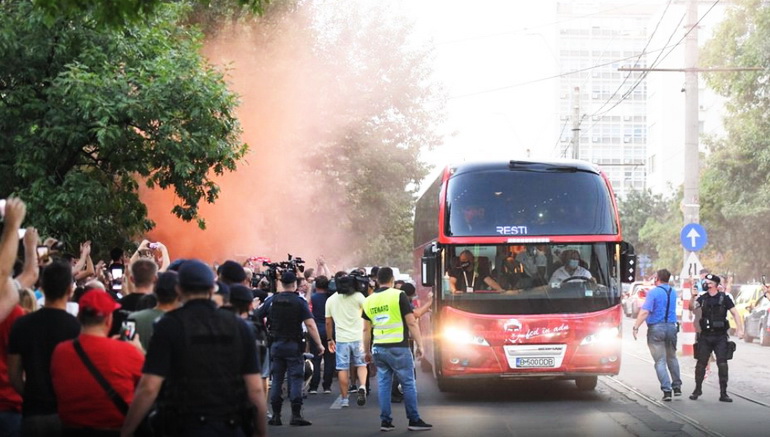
463 336
603 337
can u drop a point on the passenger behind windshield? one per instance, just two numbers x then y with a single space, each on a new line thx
470 276
533 264
571 267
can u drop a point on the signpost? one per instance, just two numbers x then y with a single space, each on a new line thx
693 237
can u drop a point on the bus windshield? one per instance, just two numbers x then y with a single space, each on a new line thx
529 278
505 202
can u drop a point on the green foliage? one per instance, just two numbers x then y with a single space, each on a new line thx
735 184
88 113
116 13
635 210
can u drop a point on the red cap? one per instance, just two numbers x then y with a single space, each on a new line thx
99 301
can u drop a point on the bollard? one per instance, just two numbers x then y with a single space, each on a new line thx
687 334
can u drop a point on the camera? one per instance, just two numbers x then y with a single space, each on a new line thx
153 245
349 284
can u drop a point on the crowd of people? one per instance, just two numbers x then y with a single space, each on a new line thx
144 345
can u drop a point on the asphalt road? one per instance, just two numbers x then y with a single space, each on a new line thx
626 405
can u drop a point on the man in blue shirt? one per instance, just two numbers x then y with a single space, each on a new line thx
659 311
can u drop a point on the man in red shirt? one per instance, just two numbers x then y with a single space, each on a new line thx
83 404
10 400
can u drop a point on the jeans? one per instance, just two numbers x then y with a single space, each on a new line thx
329 361
10 424
286 357
661 339
396 361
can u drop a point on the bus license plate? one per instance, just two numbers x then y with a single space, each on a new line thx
535 362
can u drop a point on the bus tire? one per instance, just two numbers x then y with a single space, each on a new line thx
586 383
445 385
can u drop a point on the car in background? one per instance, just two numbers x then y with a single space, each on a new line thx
756 324
635 299
748 295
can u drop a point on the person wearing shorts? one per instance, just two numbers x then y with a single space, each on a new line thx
344 328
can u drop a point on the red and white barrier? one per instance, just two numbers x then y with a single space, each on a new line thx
687 332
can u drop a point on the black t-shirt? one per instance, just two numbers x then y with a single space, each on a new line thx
475 278
406 308
130 302
167 342
34 338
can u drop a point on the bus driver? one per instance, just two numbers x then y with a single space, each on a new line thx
571 267
469 277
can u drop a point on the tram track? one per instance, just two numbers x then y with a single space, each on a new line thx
709 383
624 389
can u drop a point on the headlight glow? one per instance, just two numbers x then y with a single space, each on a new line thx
463 336
603 336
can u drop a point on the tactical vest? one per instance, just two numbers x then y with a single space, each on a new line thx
383 310
207 380
713 316
284 319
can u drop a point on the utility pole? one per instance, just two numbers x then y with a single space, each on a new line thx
576 124
691 201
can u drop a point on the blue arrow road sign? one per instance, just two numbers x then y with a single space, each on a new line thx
693 237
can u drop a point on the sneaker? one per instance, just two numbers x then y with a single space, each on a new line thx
667 396
327 391
386 426
361 397
313 392
345 403
677 391
352 388
419 425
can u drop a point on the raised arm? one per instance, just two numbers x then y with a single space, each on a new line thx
15 210
28 276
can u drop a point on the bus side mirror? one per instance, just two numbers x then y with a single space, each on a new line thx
627 263
428 269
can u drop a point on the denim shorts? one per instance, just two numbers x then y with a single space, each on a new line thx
350 352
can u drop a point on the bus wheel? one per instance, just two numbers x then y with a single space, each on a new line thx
445 385
586 383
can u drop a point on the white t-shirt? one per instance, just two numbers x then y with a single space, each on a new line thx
345 310
562 274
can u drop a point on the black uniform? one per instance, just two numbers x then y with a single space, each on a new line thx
285 313
203 353
713 338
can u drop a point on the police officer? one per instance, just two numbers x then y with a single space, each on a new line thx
713 335
206 360
286 311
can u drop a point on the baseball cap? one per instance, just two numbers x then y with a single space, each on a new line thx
288 277
714 278
99 301
232 272
195 275
241 293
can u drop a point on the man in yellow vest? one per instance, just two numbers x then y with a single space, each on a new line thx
388 320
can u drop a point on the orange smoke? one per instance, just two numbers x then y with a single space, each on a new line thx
272 204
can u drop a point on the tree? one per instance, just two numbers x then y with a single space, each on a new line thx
635 211
118 13
88 113
735 184
358 104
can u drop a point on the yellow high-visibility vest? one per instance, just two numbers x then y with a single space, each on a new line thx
383 310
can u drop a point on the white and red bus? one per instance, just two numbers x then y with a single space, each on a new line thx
522 221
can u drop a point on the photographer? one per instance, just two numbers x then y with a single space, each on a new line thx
84 405
285 313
